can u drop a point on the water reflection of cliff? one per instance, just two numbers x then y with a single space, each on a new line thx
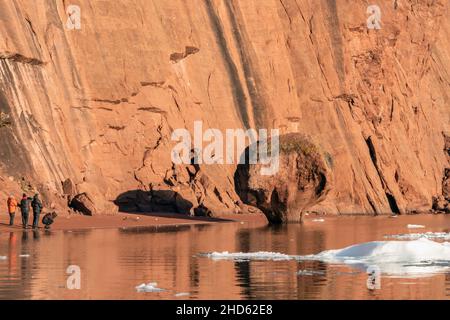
113 262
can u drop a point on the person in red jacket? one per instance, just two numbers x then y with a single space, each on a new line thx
12 206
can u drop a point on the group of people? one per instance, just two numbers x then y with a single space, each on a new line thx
24 206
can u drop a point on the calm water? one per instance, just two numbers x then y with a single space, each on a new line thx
113 262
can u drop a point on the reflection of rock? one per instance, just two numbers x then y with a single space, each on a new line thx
302 181
83 204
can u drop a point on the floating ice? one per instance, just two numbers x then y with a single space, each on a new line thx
415 226
24 256
182 294
319 220
420 257
3 257
416 258
309 273
149 287
415 236
241 256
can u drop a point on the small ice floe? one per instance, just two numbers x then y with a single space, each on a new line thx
318 220
241 256
149 287
415 236
3 257
415 226
24 256
134 218
426 235
309 272
182 294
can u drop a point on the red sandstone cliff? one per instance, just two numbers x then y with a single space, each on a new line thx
98 105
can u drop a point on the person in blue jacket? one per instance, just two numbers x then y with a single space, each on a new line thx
36 204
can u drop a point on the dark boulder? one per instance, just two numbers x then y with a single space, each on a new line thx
302 181
83 204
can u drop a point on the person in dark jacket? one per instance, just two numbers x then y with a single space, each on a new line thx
48 219
36 204
25 209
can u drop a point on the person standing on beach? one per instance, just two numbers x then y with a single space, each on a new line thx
25 209
12 206
36 204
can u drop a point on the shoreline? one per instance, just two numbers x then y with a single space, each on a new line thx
157 220
128 220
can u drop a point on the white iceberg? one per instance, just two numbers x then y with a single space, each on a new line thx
415 226
241 256
318 220
393 251
416 258
3 258
149 287
24 256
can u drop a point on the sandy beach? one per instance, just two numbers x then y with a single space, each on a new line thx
127 220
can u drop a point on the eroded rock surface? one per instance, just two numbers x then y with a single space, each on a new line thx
98 105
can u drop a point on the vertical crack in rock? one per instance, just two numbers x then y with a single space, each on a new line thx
390 198
239 95
254 85
336 39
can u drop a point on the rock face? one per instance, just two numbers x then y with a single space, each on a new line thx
97 105
303 180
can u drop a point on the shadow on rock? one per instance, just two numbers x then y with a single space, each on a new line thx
161 203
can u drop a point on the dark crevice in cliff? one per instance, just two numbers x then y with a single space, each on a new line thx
19 58
239 96
107 101
253 82
33 32
390 198
322 184
336 39
152 109
178 56
372 204
373 154
286 11
392 203
117 128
